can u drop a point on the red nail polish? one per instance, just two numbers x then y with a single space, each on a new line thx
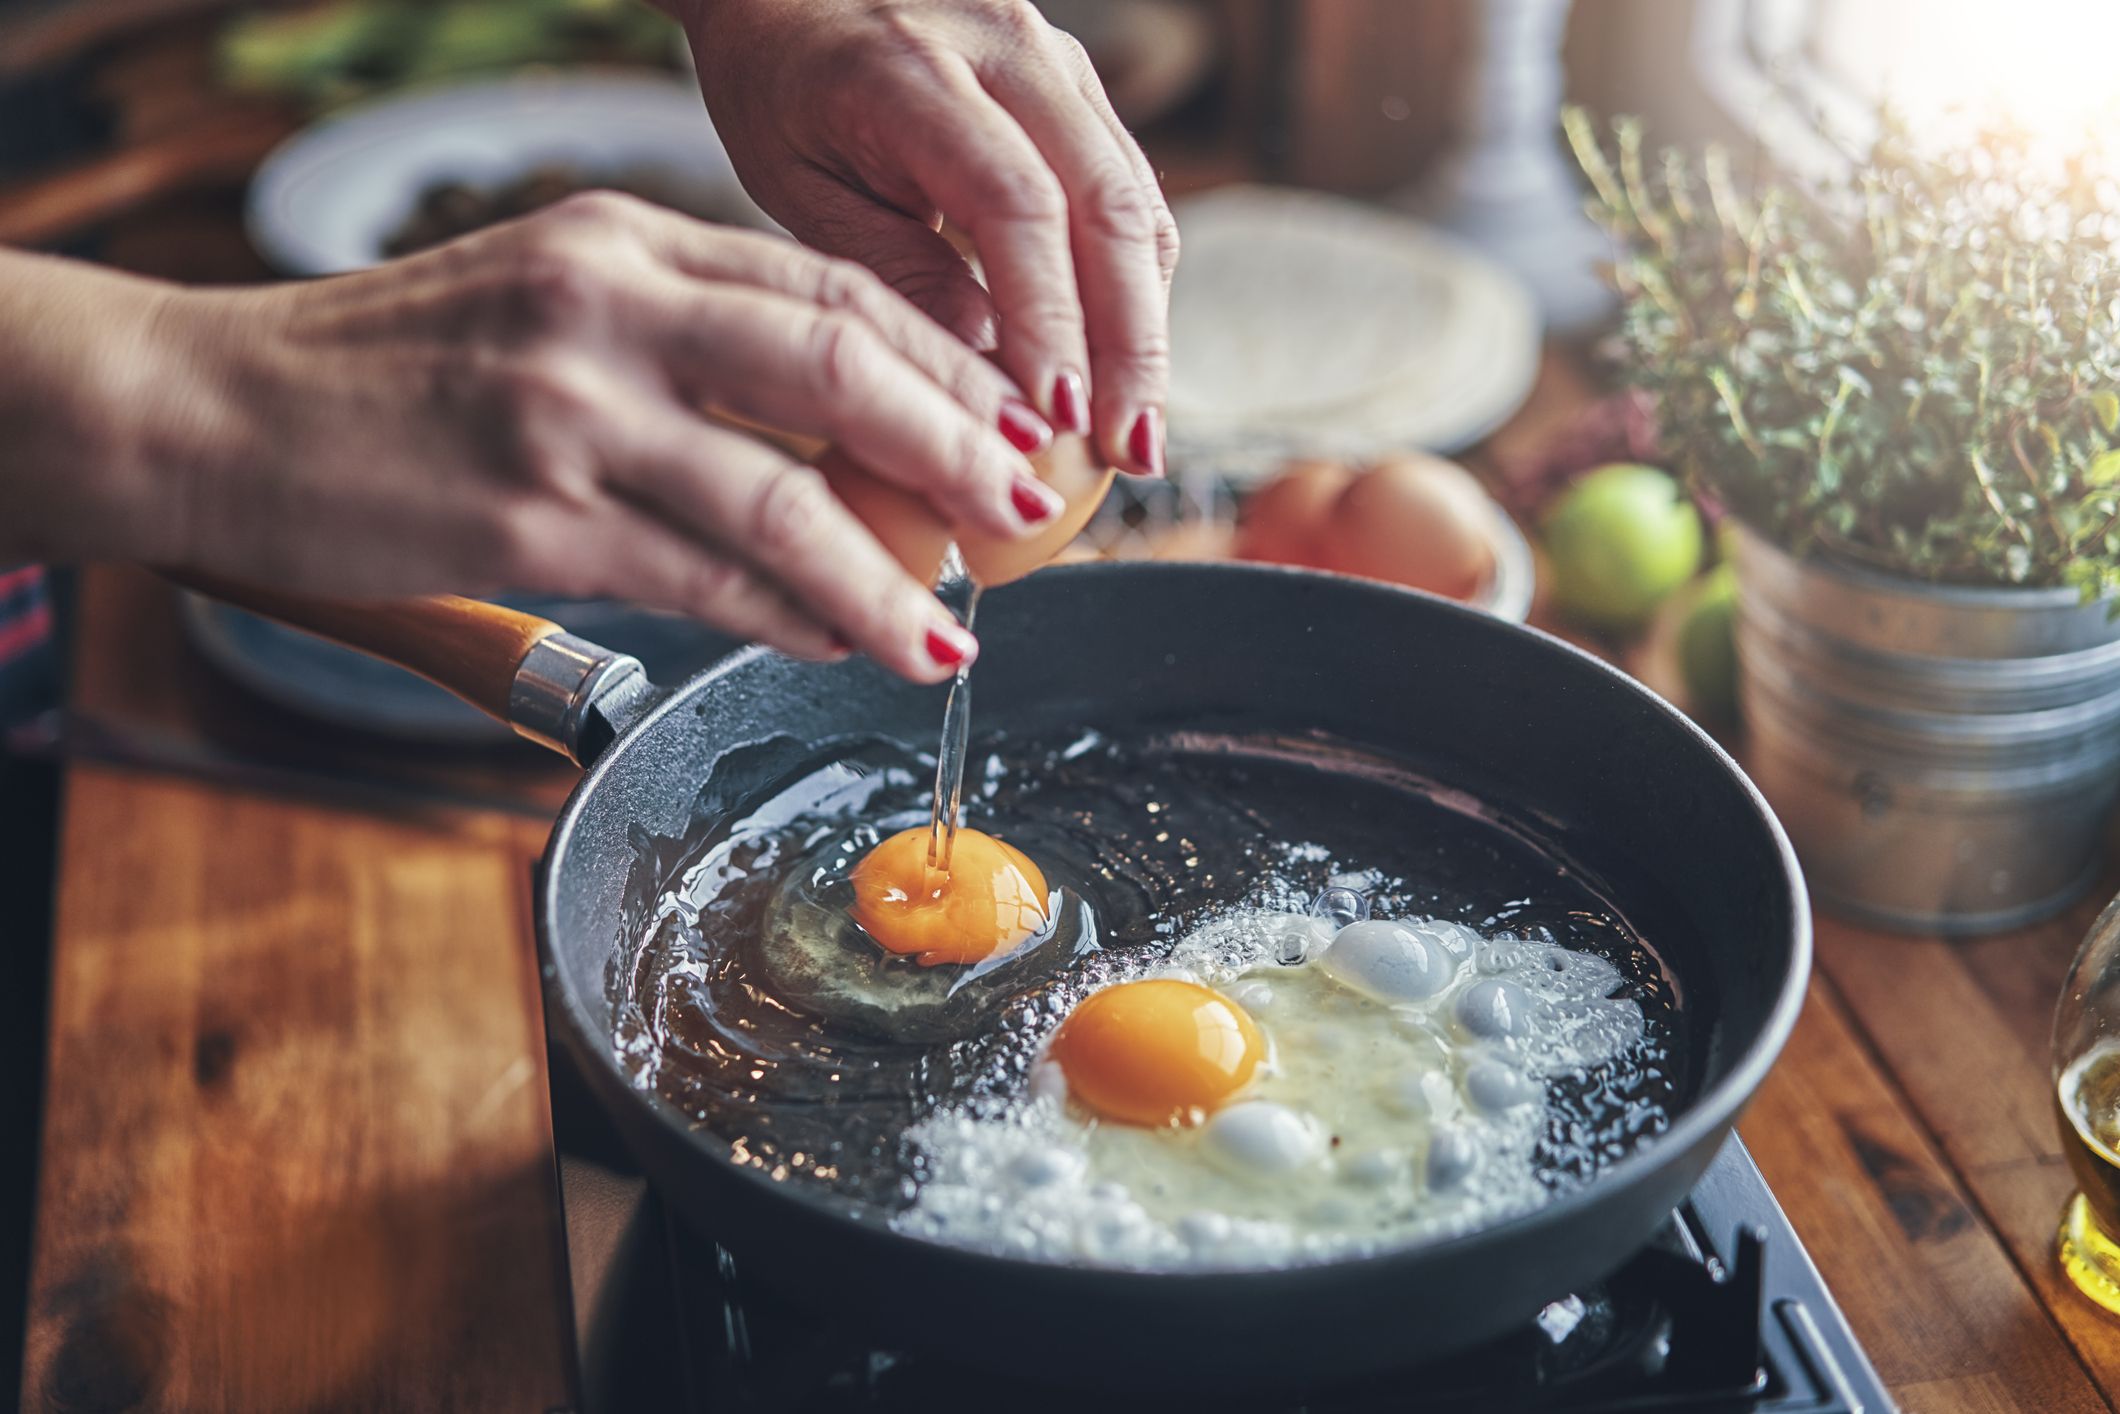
948 651
1070 403
1032 501
1145 442
1025 430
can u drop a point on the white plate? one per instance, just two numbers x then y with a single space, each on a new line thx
325 200
1305 324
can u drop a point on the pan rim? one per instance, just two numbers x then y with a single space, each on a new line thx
1715 1109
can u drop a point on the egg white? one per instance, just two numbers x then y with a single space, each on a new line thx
1403 1097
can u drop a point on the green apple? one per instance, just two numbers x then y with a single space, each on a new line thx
1707 643
1619 540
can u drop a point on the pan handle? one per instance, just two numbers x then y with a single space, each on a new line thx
560 691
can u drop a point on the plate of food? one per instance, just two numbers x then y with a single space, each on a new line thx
396 174
1308 325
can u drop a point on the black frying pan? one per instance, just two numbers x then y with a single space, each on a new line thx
1632 787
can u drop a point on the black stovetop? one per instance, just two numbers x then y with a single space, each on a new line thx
1722 1311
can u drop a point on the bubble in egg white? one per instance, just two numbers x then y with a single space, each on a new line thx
1451 1157
1387 961
1034 1168
1339 906
1453 938
1495 1086
1251 994
1259 1136
1494 1010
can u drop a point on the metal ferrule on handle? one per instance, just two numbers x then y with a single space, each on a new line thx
568 694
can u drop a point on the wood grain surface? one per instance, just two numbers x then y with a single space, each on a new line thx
297 1151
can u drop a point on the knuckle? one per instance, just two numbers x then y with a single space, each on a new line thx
1168 245
909 39
1073 56
1145 354
543 387
842 356
966 464
844 285
1019 191
1117 208
601 209
554 285
789 512
1017 19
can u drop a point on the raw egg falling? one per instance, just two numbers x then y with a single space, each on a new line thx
944 894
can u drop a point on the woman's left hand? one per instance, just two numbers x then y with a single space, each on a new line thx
860 124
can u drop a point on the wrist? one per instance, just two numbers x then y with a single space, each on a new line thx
98 389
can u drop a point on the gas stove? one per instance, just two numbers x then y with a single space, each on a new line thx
1723 1310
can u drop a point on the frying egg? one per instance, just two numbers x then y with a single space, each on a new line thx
989 901
1160 1051
1391 1087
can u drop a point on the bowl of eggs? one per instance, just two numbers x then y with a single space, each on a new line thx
1410 519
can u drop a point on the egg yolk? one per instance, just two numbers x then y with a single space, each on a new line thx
1157 1052
990 900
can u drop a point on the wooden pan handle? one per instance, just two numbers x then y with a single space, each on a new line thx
470 647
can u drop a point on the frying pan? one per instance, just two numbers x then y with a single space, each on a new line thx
1616 777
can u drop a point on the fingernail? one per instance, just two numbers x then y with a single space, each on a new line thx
951 647
1034 500
1144 443
1070 403
1025 430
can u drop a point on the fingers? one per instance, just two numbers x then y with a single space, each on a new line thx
778 516
977 165
907 255
816 368
620 552
1124 240
917 255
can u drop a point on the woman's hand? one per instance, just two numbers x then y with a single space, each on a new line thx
518 409
859 123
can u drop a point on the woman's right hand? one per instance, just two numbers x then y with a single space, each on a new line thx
521 409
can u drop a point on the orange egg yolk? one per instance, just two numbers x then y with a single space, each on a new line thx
991 899
1157 1052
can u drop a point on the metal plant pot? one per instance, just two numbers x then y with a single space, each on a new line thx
1944 757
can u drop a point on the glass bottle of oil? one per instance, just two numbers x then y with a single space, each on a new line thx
2086 1055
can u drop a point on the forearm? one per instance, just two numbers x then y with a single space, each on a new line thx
86 378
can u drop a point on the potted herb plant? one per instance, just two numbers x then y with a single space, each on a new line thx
1904 386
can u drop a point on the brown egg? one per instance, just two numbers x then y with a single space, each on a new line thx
918 538
1196 541
1283 521
1073 469
1414 520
